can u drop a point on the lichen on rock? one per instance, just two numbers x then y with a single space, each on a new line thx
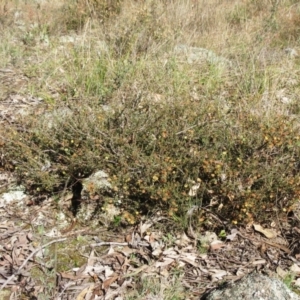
254 287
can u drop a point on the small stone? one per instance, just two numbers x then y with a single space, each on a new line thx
292 53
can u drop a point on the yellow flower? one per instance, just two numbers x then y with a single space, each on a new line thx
155 178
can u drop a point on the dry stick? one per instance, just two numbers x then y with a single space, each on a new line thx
27 259
185 130
117 244
109 244
66 286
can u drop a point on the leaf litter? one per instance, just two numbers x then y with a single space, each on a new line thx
114 263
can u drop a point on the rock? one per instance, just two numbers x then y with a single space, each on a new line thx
15 194
95 184
292 53
198 55
78 40
254 287
53 119
92 204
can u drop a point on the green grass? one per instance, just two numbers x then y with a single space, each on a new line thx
154 288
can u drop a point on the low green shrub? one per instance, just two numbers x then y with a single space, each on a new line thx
155 153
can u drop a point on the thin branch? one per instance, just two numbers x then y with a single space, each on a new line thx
185 130
109 244
119 244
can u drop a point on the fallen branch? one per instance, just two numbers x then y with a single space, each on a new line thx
26 260
119 244
109 244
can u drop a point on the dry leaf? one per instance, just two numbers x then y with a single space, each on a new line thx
190 261
144 227
297 282
281 273
233 235
216 245
217 274
164 273
106 284
259 262
166 261
83 293
128 238
295 269
108 271
193 190
183 241
268 233
157 252
170 252
66 275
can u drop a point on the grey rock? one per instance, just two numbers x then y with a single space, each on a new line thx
96 183
254 287
54 118
198 55
15 194
68 39
79 41
292 53
93 188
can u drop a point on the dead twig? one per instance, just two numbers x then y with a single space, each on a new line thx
117 244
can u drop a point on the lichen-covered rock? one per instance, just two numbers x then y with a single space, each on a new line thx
96 204
195 55
16 193
254 287
97 183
